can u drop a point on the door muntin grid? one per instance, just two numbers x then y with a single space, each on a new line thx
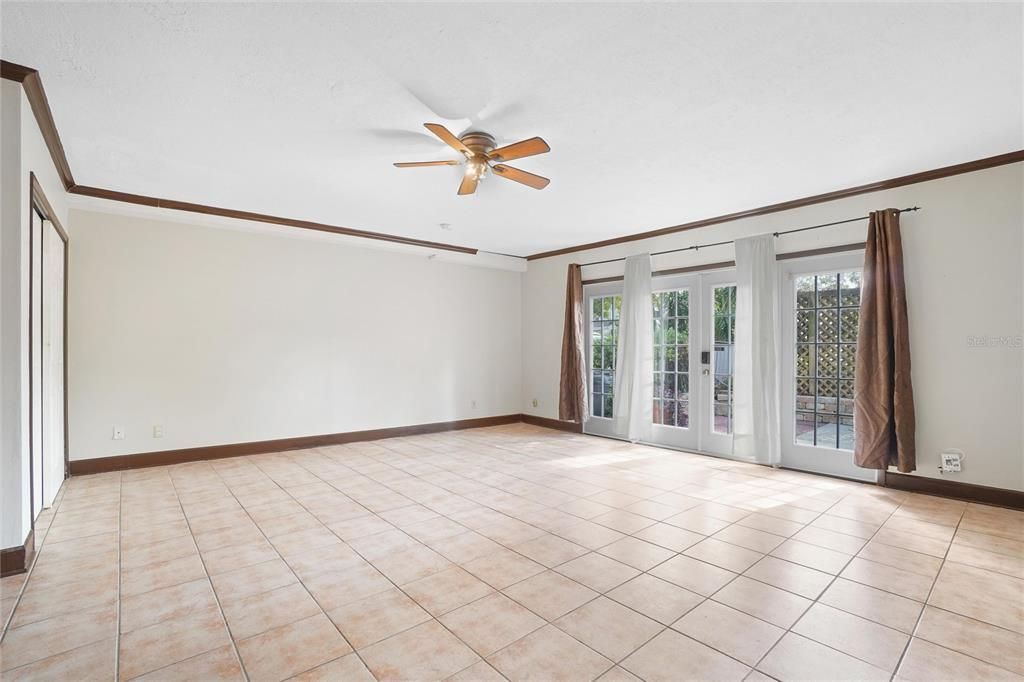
723 309
604 338
671 334
827 309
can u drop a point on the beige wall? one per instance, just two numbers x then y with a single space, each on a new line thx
223 336
964 258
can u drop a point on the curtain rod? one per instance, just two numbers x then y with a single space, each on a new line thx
697 247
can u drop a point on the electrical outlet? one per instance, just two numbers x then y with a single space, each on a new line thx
951 461
472 403
158 431
534 402
118 433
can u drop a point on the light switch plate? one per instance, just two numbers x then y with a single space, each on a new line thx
118 433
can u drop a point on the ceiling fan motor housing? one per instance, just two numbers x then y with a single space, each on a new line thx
479 143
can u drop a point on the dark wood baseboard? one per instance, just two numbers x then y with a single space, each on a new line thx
15 560
1000 497
546 422
151 459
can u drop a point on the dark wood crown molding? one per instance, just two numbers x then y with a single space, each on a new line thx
891 183
156 202
36 95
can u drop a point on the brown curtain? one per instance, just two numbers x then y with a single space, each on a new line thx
884 397
572 391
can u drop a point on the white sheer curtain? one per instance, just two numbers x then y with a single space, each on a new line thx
756 363
634 369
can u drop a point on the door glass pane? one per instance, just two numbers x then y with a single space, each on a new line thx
723 299
825 345
671 311
604 337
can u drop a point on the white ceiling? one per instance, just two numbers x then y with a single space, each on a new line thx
656 114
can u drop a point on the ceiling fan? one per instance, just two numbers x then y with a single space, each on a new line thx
483 156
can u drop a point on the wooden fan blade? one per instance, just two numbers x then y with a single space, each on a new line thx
447 137
518 150
420 164
521 176
468 185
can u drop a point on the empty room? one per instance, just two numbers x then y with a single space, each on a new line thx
355 341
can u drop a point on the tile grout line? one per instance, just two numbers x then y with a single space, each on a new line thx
813 601
730 581
599 594
702 502
292 570
57 500
415 502
117 626
386 577
209 579
28 573
935 581
704 599
498 591
817 600
24 586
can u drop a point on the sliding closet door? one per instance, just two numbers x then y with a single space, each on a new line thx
36 372
53 264
48 433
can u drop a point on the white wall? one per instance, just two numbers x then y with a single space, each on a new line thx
964 254
223 336
23 150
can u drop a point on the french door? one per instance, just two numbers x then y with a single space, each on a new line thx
693 339
820 300
693 335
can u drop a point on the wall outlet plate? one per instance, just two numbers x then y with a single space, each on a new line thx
118 433
951 462
158 431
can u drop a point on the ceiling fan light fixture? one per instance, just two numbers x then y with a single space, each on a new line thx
477 168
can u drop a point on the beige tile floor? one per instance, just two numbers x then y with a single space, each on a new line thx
512 552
